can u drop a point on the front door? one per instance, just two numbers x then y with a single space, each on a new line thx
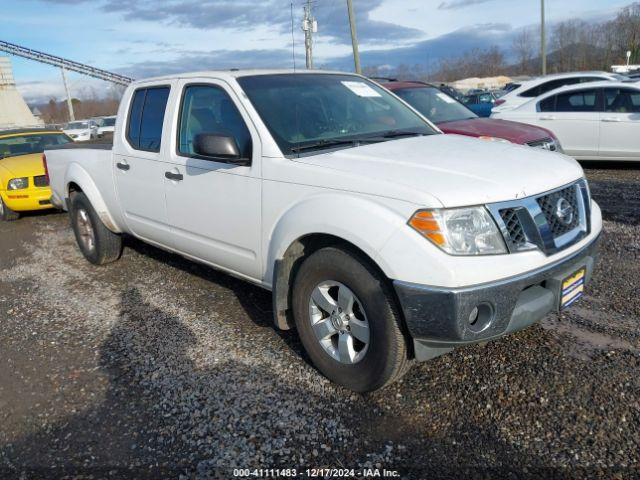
214 205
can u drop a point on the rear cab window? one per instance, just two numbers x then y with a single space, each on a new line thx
146 116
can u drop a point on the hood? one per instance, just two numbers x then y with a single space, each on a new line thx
23 165
515 132
456 170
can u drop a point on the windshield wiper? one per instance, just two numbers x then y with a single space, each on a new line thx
402 133
323 144
381 137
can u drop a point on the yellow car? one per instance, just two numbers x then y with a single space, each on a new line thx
24 185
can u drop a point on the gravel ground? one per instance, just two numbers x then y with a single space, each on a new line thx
155 367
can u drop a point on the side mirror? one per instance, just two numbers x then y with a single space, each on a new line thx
219 146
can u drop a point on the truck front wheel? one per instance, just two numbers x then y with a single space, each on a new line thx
347 319
97 243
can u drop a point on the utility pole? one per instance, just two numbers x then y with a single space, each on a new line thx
354 37
69 102
310 26
543 39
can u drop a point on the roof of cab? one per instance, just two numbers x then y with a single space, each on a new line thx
237 73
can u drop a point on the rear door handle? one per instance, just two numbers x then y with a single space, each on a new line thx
611 119
547 117
174 176
123 166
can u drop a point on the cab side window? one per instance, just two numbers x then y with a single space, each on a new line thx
144 128
620 100
209 109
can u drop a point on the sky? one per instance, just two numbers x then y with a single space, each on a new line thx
142 38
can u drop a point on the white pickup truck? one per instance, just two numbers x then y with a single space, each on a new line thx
382 240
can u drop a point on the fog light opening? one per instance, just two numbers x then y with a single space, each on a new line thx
473 316
480 317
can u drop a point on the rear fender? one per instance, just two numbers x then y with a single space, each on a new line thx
78 175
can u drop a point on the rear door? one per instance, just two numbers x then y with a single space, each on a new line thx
620 124
214 206
138 171
574 117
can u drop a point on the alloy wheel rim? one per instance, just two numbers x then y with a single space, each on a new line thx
339 323
85 230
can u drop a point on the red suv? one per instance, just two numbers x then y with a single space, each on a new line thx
452 116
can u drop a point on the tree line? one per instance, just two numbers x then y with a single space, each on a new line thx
572 45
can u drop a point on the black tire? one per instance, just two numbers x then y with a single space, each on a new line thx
106 246
385 358
6 214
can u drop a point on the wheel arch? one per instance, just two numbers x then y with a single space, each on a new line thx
357 224
78 180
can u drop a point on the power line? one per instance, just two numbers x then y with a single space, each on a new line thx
293 41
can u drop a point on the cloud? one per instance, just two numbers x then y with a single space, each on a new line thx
188 61
429 52
249 14
456 4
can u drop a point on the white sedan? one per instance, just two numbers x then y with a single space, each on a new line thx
82 130
594 121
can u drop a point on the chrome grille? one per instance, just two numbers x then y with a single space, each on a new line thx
549 222
551 204
514 227
41 181
544 143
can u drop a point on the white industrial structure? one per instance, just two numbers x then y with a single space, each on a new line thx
14 111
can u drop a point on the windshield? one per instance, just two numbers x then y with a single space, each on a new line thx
108 122
77 125
437 106
316 111
26 144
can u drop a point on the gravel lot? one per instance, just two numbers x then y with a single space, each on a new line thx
155 367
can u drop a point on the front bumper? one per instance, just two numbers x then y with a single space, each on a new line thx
438 318
28 199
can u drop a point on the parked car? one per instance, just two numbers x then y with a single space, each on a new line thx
480 103
525 91
381 239
81 131
452 92
107 126
452 116
24 185
594 121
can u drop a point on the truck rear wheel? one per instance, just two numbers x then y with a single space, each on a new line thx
6 213
348 321
97 243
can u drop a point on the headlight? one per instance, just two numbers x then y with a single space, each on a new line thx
494 139
18 183
460 231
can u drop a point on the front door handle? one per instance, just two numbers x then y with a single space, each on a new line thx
123 166
547 117
173 176
611 119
